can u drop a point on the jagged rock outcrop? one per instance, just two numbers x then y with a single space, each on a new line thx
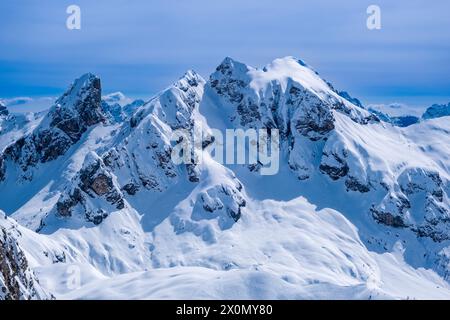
338 162
17 280
392 184
3 110
313 121
143 158
72 114
211 209
224 202
428 217
93 192
286 95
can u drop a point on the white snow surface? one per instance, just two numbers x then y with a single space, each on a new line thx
295 239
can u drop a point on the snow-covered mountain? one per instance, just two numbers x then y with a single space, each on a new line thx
118 107
17 280
437 111
359 208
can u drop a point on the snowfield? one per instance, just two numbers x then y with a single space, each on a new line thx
358 210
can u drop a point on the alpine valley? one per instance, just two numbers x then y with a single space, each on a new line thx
92 206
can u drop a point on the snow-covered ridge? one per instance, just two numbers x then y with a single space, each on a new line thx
17 280
359 209
437 111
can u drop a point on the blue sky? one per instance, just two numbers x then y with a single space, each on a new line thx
140 47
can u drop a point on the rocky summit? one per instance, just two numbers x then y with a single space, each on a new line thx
358 209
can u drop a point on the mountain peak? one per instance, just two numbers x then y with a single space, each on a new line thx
290 70
188 80
231 67
87 80
191 76
282 70
437 111
79 107
87 84
111 197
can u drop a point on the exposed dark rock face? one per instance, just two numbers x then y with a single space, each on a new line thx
392 210
95 178
419 180
388 219
131 188
352 183
297 111
193 173
154 169
72 114
335 164
17 281
248 112
2 168
224 202
79 108
101 184
315 118
226 85
3 110
432 220
65 204
335 169
93 181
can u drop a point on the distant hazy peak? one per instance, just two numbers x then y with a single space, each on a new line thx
437 111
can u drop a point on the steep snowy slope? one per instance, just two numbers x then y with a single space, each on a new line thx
63 126
17 280
349 144
13 126
358 209
332 145
286 95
